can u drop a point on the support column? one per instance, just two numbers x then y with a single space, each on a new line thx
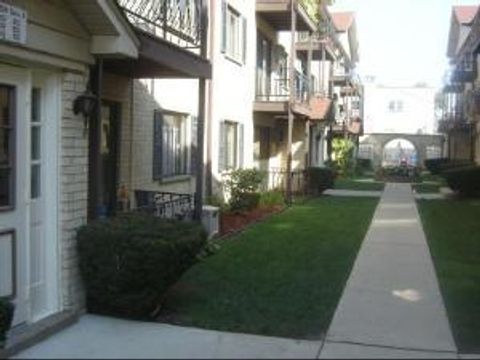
96 204
291 99
199 173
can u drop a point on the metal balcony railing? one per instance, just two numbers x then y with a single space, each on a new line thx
279 89
276 179
176 21
165 204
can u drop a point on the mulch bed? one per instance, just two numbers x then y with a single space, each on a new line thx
231 223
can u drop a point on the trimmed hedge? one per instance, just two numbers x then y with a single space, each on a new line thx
439 165
320 179
464 180
128 262
6 316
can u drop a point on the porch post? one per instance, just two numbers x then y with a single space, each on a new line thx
97 207
291 98
197 215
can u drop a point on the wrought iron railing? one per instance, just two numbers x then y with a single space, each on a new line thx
176 21
279 89
165 204
276 179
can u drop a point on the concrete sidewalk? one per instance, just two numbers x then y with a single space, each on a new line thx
352 193
103 337
391 306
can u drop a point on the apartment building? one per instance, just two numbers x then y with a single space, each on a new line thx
459 101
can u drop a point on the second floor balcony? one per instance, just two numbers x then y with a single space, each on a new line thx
277 13
278 89
172 35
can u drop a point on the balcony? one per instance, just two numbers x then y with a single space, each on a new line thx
465 70
341 76
278 14
170 34
453 120
316 44
274 96
178 22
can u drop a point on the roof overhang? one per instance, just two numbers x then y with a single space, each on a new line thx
161 59
111 32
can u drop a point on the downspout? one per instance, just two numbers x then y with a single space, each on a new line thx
209 118
201 119
291 99
131 178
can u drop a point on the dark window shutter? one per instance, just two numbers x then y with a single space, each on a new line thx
224 26
157 144
222 149
194 146
244 39
240 145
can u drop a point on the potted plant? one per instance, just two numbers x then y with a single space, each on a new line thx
7 309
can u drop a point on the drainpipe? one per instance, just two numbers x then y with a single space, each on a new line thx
209 118
291 99
201 119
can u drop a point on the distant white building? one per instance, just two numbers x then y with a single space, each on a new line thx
399 109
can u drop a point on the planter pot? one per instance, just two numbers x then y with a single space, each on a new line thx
7 310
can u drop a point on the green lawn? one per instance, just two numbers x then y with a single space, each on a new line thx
359 184
283 277
426 188
453 232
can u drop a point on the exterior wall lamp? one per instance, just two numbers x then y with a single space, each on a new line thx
85 104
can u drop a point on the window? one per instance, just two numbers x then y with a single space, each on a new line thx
7 145
171 148
231 145
35 157
234 34
365 151
395 106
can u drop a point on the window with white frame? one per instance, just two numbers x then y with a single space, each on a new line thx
230 145
171 145
234 34
395 106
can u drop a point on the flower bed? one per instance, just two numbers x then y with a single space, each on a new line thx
232 222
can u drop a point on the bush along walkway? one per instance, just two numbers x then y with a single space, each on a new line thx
391 306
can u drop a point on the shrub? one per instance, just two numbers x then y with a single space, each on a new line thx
272 199
243 185
320 179
343 150
362 166
128 262
464 180
6 317
439 165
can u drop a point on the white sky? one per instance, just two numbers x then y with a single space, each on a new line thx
402 41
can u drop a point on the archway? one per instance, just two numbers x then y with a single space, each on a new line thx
400 151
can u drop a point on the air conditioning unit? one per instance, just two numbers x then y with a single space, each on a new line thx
211 220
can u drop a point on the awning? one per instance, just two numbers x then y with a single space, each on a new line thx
320 107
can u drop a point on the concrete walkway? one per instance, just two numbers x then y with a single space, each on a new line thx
352 193
103 337
391 306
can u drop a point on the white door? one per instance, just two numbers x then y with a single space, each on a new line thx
43 195
14 103
29 119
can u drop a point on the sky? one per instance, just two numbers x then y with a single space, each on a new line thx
402 42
